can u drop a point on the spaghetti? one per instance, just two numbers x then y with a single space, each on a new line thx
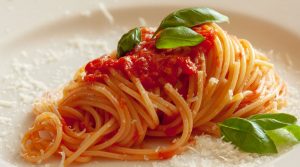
112 105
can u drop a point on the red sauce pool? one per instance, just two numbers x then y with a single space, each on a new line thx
154 67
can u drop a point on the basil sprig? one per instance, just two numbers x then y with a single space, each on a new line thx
274 120
282 138
128 41
172 33
191 17
262 133
175 30
174 37
295 130
247 135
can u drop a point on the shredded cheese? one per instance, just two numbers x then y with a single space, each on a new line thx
213 80
142 21
106 13
7 104
6 121
63 157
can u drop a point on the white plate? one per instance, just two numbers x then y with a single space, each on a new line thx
31 30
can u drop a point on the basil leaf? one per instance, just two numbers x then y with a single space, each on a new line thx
295 130
247 135
273 121
282 117
191 17
174 37
128 41
270 124
282 138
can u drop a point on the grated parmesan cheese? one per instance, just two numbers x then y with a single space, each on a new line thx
7 104
86 13
230 93
106 13
146 158
67 12
63 157
142 21
133 121
6 121
213 80
289 61
157 149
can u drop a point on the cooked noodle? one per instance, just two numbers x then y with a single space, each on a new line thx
111 119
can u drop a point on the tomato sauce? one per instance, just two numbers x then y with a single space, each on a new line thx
173 131
154 67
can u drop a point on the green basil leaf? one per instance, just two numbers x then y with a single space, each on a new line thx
174 37
191 17
247 135
128 41
295 130
282 138
270 124
282 117
273 121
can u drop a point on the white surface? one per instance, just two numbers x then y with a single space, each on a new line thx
31 30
